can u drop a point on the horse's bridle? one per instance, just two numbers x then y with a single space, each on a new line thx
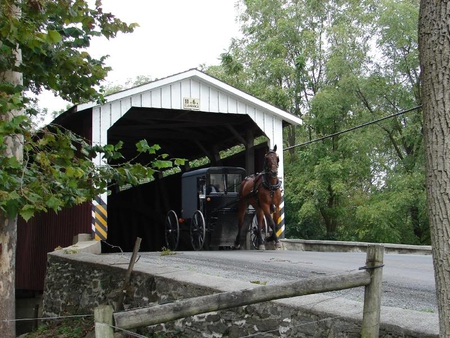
268 168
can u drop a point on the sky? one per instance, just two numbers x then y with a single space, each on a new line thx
173 36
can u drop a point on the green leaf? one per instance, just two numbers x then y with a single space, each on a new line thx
142 146
54 36
27 212
34 197
180 161
118 146
13 163
13 195
53 203
162 164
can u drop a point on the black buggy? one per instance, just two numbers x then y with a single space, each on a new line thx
209 209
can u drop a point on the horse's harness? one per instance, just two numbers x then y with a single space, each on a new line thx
261 179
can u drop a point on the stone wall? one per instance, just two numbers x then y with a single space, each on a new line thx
78 282
340 246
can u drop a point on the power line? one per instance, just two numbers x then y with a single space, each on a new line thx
353 128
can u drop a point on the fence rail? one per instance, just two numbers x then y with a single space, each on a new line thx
370 276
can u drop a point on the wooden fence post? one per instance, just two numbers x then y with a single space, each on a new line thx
103 316
126 282
372 294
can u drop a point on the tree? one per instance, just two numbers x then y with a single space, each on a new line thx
434 50
394 85
283 55
43 43
337 69
11 151
280 58
111 88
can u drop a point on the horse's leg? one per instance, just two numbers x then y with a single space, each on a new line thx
241 214
273 225
271 219
276 217
260 218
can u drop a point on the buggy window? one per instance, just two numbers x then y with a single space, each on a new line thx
201 186
233 182
224 183
217 182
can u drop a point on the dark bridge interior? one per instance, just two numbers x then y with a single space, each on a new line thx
141 211
181 133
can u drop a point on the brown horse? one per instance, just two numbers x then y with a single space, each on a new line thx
263 192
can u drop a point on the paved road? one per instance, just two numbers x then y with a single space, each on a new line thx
408 280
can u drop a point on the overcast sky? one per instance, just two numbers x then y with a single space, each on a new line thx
174 36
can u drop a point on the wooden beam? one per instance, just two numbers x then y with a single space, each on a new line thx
250 153
237 135
221 301
205 151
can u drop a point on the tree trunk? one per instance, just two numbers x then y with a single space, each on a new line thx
415 221
291 142
8 238
8 224
8 233
434 51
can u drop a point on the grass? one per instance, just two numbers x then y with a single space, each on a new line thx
64 328
167 252
75 328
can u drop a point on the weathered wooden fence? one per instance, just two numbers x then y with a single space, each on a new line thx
369 276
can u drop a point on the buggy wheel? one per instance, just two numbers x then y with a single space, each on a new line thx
172 230
198 231
265 231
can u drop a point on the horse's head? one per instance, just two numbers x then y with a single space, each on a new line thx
271 161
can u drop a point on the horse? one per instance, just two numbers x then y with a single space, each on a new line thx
263 192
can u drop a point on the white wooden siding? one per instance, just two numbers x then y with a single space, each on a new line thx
96 131
195 88
170 96
205 98
213 96
156 98
214 100
146 99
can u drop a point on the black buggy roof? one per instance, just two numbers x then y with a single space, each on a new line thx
215 170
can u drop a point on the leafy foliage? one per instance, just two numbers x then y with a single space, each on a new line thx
339 64
57 170
52 37
111 88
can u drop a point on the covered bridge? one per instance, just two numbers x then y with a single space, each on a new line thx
190 115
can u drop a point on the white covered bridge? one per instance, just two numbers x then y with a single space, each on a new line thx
190 115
